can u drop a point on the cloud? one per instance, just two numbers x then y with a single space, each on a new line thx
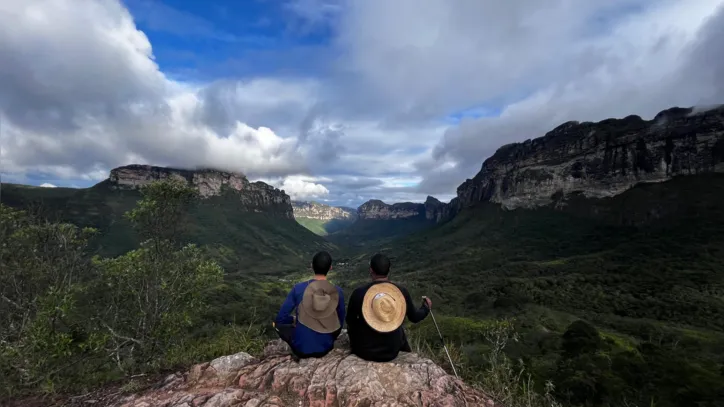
48 185
81 91
662 56
313 14
300 189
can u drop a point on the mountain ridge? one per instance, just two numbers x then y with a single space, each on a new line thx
320 211
257 218
601 159
592 159
431 210
322 219
253 196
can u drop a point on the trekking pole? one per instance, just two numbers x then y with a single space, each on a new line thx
443 342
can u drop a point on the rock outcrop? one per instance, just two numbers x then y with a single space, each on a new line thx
599 159
252 196
315 210
338 379
432 210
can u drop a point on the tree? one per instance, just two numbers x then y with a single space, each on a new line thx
581 337
161 213
42 268
153 292
63 314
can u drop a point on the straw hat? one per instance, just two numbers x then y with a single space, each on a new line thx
384 307
318 310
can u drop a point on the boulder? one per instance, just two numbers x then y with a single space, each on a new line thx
337 379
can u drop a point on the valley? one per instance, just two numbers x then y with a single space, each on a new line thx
323 219
618 224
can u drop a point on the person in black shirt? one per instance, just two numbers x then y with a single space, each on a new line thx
376 312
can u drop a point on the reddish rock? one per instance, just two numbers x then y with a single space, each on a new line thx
336 380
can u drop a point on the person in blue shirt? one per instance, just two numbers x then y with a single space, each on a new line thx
319 312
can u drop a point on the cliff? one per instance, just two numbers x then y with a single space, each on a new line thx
338 379
599 160
252 196
315 210
432 210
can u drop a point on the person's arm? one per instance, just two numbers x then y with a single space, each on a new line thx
284 316
415 315
340 314
353 310
341 311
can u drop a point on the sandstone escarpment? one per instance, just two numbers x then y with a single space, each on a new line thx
252 196
432 210
338 379
315 210
599 159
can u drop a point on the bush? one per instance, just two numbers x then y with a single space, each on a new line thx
67 320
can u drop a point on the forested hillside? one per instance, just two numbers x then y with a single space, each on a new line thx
649 296
240 239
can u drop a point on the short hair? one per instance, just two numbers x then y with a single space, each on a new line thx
380 264
321 263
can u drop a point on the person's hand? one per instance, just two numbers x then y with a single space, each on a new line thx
428 302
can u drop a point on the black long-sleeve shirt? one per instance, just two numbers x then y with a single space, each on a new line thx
376 346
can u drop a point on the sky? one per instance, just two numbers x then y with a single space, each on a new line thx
338 101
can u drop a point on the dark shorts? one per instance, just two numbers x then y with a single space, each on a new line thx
386 354
286 333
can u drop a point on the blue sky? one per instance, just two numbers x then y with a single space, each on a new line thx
333 100
201 41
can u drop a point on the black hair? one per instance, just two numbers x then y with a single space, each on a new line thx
321 263
380 264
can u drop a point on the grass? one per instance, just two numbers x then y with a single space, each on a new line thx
324 227
315 226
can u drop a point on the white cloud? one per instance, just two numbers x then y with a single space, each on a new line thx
81 92
647 62
301 188
48 185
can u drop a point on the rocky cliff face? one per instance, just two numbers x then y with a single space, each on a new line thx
338 379
431 210
253 196
315 210
599 159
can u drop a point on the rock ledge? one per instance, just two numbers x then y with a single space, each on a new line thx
338 379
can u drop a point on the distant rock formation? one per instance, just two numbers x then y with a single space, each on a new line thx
599 159
432 210
253 196
315 210
338 379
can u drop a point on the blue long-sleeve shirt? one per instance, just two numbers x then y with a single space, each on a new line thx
305 340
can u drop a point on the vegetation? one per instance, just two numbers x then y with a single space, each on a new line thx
315 226
501 378
376 232
70 320
238 239
613 302
324 227
611 309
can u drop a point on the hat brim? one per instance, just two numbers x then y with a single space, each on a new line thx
324 321
400 307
